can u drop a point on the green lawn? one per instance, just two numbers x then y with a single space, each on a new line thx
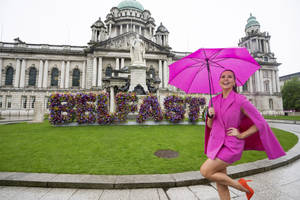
108 149
281 117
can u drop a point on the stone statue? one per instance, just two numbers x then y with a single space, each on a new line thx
137 51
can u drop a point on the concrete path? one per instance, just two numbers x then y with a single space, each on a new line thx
279 184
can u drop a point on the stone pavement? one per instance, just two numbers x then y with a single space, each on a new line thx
282 183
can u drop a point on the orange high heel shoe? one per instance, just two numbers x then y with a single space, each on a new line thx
243 182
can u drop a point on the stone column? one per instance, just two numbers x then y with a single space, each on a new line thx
160 73
67 80
41 74
261 81
17 77
22 77
122 63
250 85
45 78
117 64
166 74
140 30
94 75
62 75
133 28
83 75
109 33
277 82
257 87
1 71
273 81
121 29
93 35
100 72
112 100
127 28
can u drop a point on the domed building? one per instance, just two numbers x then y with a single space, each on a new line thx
30 73
262 89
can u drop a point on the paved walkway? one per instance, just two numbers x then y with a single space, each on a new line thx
279 184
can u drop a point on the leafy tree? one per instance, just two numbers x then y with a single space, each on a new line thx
291 95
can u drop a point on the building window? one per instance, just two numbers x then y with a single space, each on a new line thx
8 101
267 86
32 76
76 77
108 71
54 77
1 100
32 101
245 87
9 76
266 59
24 101
271 104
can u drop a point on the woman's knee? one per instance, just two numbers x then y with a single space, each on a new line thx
205 171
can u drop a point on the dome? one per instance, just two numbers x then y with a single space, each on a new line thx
162 29
130 4
251 22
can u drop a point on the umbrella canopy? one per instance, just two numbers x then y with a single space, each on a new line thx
200 71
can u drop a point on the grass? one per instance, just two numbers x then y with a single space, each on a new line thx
282 117
108 149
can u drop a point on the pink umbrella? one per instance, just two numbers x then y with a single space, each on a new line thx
200 71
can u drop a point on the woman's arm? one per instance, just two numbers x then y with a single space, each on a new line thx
235 132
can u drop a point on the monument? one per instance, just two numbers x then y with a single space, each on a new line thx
137 67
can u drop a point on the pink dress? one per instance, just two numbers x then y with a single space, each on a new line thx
228 114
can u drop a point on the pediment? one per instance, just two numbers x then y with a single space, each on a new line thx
122 42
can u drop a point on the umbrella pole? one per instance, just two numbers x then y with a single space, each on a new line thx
209 77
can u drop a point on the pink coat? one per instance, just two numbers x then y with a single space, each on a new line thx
230 115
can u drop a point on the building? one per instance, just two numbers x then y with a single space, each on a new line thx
288 77
262 89
31 72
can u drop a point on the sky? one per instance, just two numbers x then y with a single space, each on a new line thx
192 24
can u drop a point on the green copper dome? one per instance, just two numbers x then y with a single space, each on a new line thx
130 4
252 21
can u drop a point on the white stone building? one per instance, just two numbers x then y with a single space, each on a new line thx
262 89
31 72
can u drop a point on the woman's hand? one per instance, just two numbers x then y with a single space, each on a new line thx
211 112
234 132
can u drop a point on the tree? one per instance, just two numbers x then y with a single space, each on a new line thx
291 95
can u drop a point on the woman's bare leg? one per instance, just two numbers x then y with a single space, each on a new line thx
223 190
214 171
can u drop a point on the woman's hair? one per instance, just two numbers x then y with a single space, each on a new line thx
234 87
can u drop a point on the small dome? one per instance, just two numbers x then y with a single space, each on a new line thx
162 29
130 4
251 22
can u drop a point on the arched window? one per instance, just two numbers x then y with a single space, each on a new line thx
267 86
32 76
76 77
9 76
54 77
271 104
108 71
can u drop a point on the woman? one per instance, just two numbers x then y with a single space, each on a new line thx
234 125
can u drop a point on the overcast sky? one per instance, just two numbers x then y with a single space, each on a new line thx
192 24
